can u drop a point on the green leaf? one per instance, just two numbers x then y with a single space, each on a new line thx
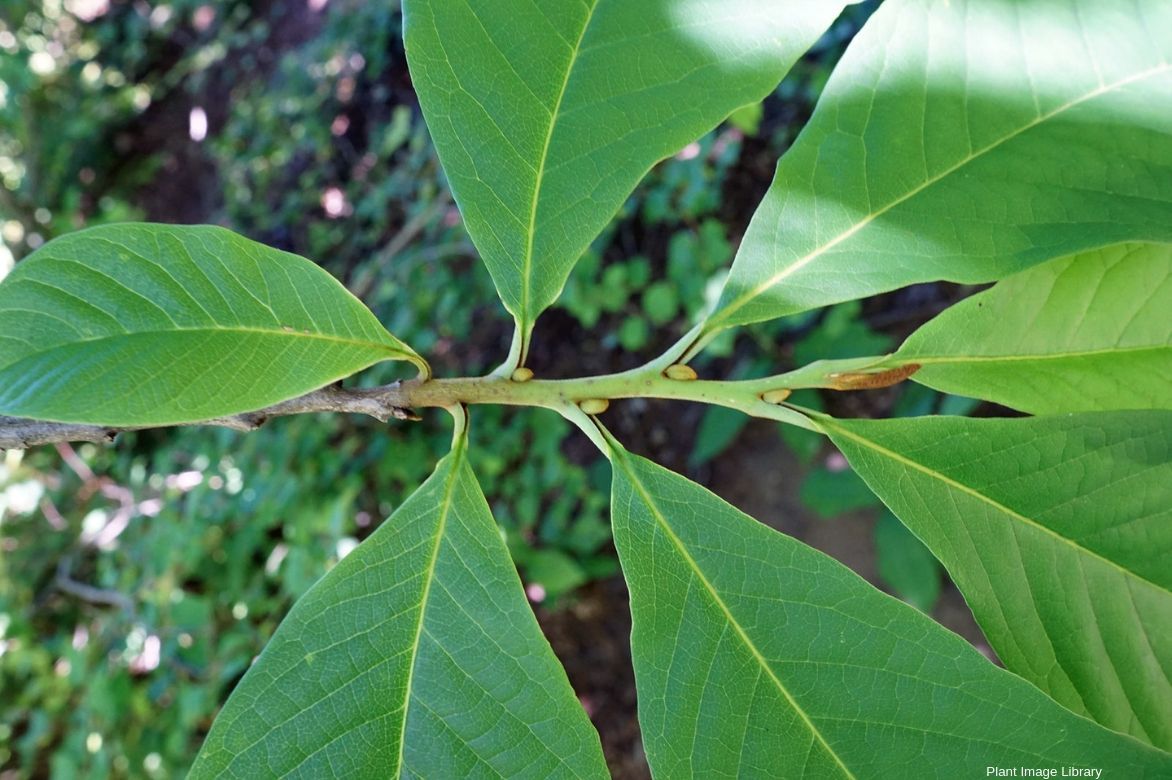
966 140
553 570
1083 333
719 428
747 119
756 655
155 325
661 303
547 114
633 334
905 564
1057 531
805 444
832 493
416 656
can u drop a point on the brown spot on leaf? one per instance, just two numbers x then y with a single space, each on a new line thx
862 380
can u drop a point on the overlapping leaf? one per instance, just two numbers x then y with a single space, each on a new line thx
1057 530
756 656
417 656
546 114
1083 333
966 140
156 325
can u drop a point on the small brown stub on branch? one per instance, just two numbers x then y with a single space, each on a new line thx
680 372
594 405
860 380
776 396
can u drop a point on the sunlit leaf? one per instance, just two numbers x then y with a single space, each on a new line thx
547 114
966 140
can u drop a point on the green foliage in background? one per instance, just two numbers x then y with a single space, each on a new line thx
75 90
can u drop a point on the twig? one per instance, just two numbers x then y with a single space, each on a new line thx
382 403
661 378
17 433
88 593
52 515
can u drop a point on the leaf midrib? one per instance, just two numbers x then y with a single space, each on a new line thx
445 507
943 359
293 334
991 502
801 262
678 543
429 578
539 179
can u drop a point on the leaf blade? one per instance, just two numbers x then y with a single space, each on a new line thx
138 324
374 669
881 689
1046 525
945 154
1085 333
544 136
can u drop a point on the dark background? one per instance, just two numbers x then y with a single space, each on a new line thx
138 581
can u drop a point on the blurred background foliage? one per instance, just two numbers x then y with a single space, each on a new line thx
138 581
